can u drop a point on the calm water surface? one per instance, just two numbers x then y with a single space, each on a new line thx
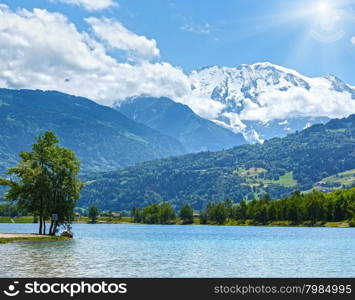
127 250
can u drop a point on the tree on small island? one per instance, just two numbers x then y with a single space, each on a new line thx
93 213
45 183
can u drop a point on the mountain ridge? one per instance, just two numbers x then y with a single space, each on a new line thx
180 122
249 95
102 138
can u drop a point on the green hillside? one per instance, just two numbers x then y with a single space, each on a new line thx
102 138
180 122
335 182
278 167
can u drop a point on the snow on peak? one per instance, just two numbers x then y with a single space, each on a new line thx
263 93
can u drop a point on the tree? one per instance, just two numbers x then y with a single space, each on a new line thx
93 213
266 198
261 213
204 217
241 211
186 214
218 213
167 213
151 214
46 182
136 214
228 203
271 212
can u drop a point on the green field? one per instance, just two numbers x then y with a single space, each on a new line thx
5 220
253 178
104 220
250 173
344 178
338 181
26 219
39 238
285 180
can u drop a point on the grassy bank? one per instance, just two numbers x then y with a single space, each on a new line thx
25 219
4 240
343 224
100 220
196 221
104 220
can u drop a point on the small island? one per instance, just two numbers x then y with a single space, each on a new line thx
12 237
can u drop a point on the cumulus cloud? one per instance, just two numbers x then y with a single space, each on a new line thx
203 106
44 50
90 5
297 101
116 36
352 40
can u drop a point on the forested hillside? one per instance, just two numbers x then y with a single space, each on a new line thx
278 167
102 138
180 122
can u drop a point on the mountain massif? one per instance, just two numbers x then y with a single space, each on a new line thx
278 167
264 100
102 138
284 116
180 122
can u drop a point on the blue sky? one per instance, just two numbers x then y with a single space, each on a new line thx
194 34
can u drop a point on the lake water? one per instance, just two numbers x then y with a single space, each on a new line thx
128 250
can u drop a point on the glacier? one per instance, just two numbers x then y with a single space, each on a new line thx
264 100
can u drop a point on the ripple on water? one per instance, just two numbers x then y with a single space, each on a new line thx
128 250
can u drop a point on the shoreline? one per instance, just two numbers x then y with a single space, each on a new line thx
343 224
13 237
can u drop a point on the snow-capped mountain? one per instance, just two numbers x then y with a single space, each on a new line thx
265 100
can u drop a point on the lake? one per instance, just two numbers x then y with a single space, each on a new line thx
130 250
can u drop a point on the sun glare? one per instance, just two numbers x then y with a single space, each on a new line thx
323 9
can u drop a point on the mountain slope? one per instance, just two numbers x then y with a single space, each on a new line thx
179 121
278 167
263 100
102 138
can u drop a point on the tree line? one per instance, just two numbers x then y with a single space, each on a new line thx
163 213
305 209
298 209
8 210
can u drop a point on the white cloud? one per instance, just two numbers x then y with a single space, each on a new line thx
193 26
204 28
352 40
318 101
116 36
251 92
203 106
90 5
44 50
